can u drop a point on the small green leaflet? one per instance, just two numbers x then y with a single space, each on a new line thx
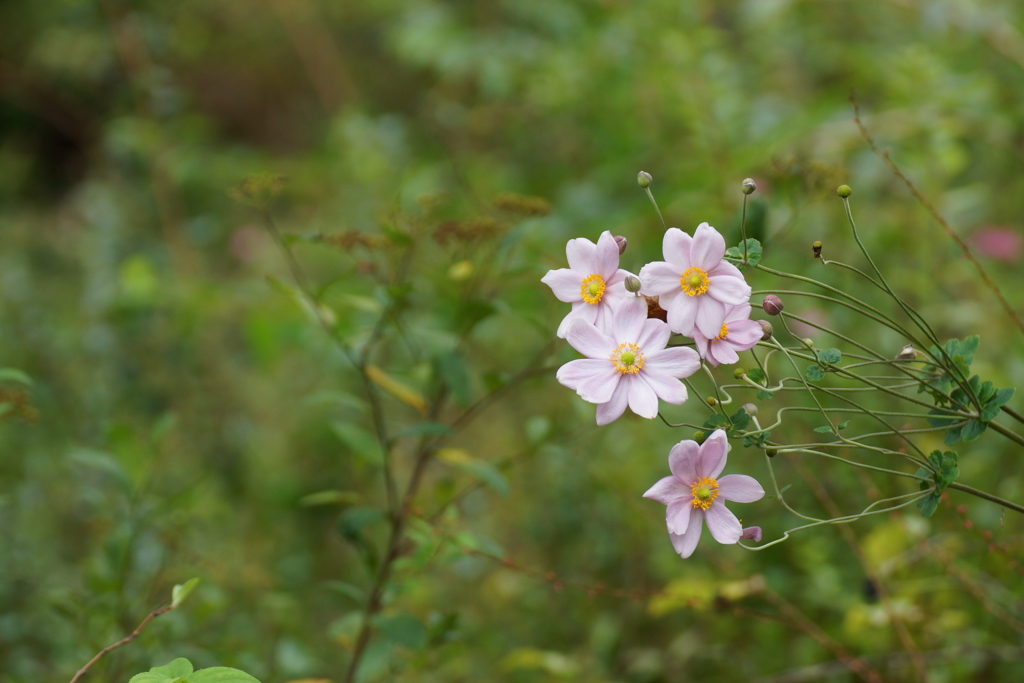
180 670
754 253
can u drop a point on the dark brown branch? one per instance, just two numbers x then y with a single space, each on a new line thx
124 641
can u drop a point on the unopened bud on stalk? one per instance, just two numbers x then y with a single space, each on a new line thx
632 284
750 409
643 179
699 436
766 330
816 247
771 452
908 352
772 305
844 191
711 401
748 186
621 242
738 373
752 533
808 342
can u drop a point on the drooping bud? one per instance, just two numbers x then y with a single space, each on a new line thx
908 352
766 330
816 247
772 305
738 373
750 409
752 533
711 401
632 284
771 452
644 179
844 191
699 437
808 342
621 242
748 186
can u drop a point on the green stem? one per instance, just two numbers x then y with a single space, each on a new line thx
987 496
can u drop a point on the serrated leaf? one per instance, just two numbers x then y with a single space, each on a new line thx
12 375
765 395
971 431
180 593
831 356
740 419
929 503
953 436
221 674
756 374
715 421
813 373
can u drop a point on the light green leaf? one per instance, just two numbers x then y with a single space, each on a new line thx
180 593
221 674
360 441
329 498
484 471
813 373
402 629
12 375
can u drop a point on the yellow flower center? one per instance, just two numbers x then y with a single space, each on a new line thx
694 282
723 334
592 289
704 491
627 359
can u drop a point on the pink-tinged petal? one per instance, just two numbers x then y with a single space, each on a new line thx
642 399
654 336
580 310
659 278
576 372
682 461
710 316
678 362
686 543
729 290
581 253
606 256
598 388
682 313
711 459
740 488
752 533
744 334
629 320
726 268
722 524
675 246
565 284
668 389
677 516
707 247
613 409
722 352
588 340
737 313
700 342
604 317
668 490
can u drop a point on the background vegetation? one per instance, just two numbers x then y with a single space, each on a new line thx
187 407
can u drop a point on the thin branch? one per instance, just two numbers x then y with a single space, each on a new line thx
124 641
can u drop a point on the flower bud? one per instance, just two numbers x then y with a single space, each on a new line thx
772 305
738 373
908 352
766 330
621 242
844 191
711 401
699 437
808 342
643 179
752 533
632 284
771 452
748 186
816 248
750 409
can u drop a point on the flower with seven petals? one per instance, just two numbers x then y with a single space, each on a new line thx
739 333
694 494
693 283
629 365
593 282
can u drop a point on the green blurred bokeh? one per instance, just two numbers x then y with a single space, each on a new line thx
185 404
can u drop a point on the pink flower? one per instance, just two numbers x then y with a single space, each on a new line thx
739 333
592 283
752 533
630 367
693 283
998 242
694 494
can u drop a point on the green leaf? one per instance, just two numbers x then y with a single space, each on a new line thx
484 471
168 672
452 369
929 503
329 498
352 522
12 375
402 629
757 375
972 430
754 253
359 441
831 356
740 419
180 593
813 373
953 436
424 429
947 468
968 347
823 430
715 421
221 674
765 395
842 425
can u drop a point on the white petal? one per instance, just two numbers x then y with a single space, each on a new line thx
682 461
654 336
642 399
667 490
677 516
723 352
682 313
581 254
712 456
613 409
678 362
707 248
675 246
565 284
722 524
576 372
668 389
599 386
606 256
588 340
728 290
629 320
659 278
710 316
740 488
686 543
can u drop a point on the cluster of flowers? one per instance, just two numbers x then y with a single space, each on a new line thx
628 362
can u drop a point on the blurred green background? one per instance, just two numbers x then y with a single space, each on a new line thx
184 406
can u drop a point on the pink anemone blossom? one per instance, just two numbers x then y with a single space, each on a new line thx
739 333
593 282
628 366
694 494
693 283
